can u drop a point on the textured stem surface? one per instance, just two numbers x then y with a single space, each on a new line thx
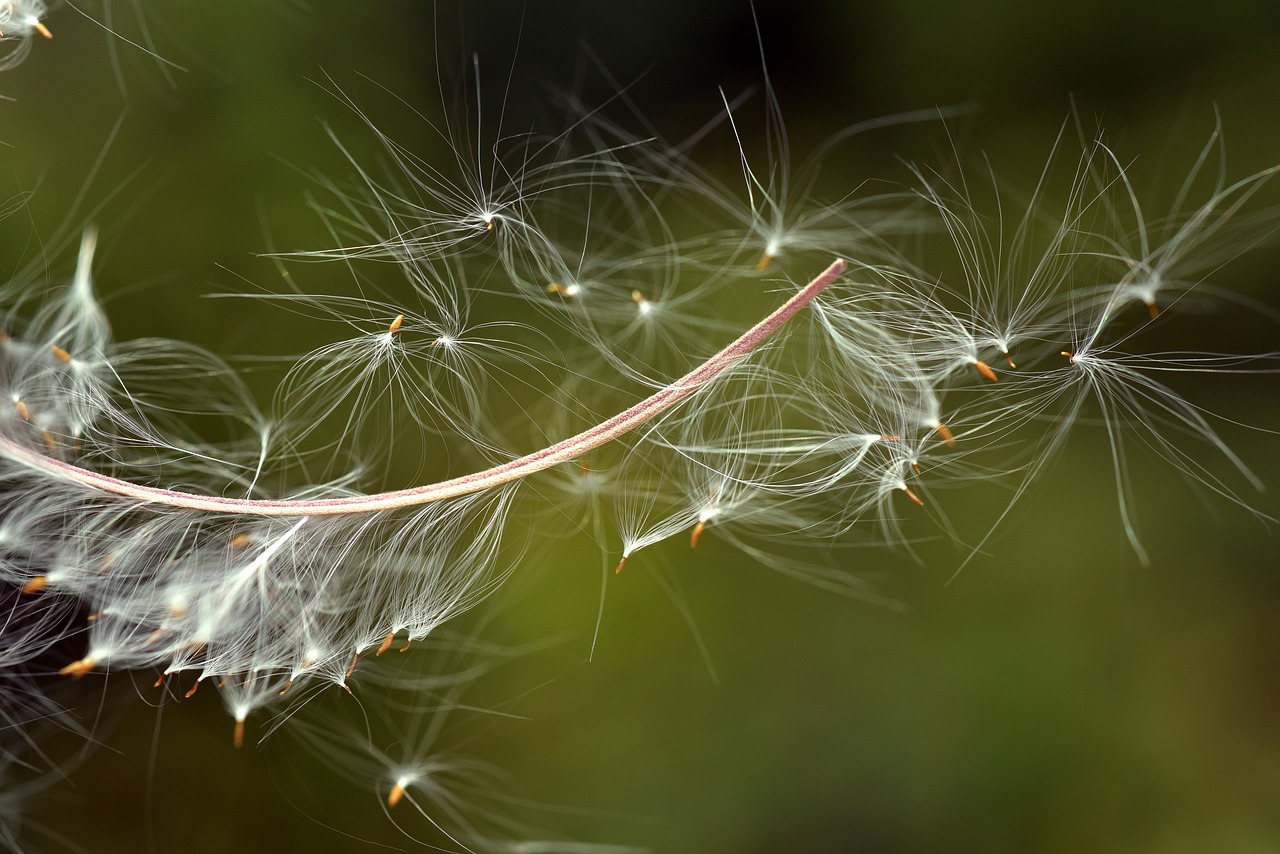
563 451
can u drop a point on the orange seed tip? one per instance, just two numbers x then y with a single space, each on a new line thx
985 370
395 324
76 669
35 585
386 643
397 792
697 534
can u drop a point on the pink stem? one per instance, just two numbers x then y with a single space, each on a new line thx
563 451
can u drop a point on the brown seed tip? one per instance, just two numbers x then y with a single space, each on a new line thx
22 410
43 30
395 324
352 667
76 669
397 792
915 498
621 564
62 355
985 370
35 585
557 288
386 644
239 541
945 432
1009 359
237 735
1068 354
764 261
191 693
697 534
1153 309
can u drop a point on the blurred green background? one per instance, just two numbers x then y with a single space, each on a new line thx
1054 696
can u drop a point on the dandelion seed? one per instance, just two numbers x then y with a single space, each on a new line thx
914 498
985 370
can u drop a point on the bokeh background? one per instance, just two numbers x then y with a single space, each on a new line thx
1054 696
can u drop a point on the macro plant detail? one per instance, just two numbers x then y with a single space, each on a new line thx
583 332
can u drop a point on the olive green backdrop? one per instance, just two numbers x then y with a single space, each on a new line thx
1055 696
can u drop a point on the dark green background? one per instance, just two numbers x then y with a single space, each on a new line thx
1055 696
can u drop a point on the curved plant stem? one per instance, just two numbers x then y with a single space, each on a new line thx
563 451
